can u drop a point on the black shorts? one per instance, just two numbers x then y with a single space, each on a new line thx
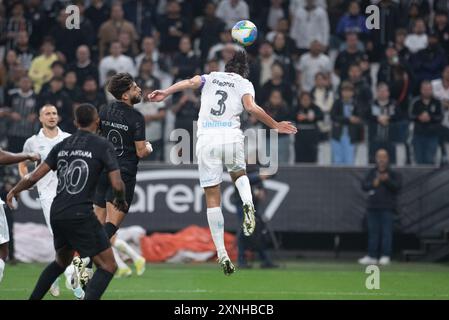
86 235
104 192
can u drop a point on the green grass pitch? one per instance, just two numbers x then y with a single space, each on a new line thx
296 280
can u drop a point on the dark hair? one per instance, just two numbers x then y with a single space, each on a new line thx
119 84
57 63
238 64
89 78
85 114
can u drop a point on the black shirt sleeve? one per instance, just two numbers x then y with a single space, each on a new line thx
139 127
52 158
109 158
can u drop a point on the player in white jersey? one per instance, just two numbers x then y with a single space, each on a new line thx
9 158
220 140
42 143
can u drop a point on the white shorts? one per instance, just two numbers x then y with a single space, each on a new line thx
212 158
4 231
46 206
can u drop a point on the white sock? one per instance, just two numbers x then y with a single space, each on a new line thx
216 226
120 263
244 189
122 246
2 267
69 272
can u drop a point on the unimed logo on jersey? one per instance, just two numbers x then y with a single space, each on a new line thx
154 191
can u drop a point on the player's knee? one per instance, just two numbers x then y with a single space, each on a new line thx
110 267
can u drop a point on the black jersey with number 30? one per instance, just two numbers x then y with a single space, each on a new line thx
122 125
79 160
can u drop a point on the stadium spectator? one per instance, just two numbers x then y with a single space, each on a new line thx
151 52
172 26
142 14
91 94
209 33
352 54
16 22
310 23
352 22
232 11
24 52
261 68
308 115
310 64
362 90
418 39
428 63
399 45
382 115
278 109
83 66
415 9
129 46
382 185
347 128
295 4
283 26
185 62
388 65
224 50
98 12
146 76
115 61
40 70
22 114
72 89
186 107
389 22
441 5
110 30
57 70
441 28
282 53
38 17
277 82
154 114
269 16
60 99
427 114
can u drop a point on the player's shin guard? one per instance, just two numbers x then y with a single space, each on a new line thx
110 229
2 267
98 284
216 226
48 276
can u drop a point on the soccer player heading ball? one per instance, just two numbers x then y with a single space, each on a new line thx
221 141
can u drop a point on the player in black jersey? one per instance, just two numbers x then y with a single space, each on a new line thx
9 158
124 127
79 160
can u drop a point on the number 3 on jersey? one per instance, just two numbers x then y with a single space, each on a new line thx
221 103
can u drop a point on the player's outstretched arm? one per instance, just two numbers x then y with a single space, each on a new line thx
118 188
10 158
260 114
27 182
160 95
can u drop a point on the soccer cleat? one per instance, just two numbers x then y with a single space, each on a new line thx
140 266
249 220
123 272
79 275
384 261
367 260
226 264
54 289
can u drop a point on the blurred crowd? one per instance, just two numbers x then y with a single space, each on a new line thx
349 89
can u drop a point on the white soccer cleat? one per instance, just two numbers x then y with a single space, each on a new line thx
249 220
79 275
384 261
367 260
54 289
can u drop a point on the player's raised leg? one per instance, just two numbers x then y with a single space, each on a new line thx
242 184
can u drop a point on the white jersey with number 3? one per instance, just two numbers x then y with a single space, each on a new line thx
221 106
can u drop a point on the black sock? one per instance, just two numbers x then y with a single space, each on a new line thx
98 284
110 229
48 276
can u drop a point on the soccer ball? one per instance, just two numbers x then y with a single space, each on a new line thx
244 32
